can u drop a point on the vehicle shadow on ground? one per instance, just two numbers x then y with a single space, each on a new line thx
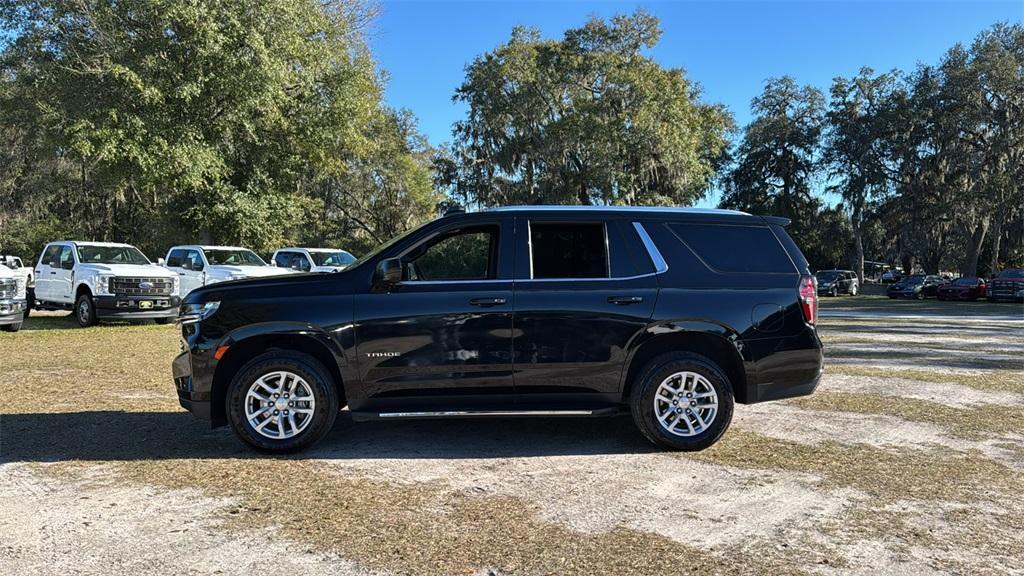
123 436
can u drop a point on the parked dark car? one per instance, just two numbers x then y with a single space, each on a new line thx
670 315
916 286
966 288
836 282
1008 286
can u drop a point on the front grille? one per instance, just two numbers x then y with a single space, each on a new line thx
1005 288
8 288
141 286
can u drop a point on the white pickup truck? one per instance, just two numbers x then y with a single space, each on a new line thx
104 280
26 274
12 300
198 265
312 259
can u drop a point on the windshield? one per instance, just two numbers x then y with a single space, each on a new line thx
966 282
111 255
914 280
340 258
1013 273
233 257
827 276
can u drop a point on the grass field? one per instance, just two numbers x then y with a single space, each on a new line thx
907 460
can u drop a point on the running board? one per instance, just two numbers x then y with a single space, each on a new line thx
485 414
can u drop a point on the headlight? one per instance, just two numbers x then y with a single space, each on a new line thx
101 284
19 288
175 286
192 313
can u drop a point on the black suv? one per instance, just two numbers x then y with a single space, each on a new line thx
670 314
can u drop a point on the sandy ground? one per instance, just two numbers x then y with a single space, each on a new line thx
122 482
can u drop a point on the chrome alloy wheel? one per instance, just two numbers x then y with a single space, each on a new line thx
279 405
83 311
685 404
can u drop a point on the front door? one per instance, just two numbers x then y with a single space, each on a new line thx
586 291
63 286
443 336
46 272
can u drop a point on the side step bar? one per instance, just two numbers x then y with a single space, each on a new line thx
362 416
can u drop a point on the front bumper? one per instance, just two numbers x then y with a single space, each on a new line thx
12 311
138 307
188 397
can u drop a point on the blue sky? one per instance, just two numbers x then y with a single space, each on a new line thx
729 47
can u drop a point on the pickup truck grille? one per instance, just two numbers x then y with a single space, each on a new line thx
8 288
141 286
1005 288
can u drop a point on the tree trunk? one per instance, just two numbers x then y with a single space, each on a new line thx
997 236
858 244
970 266
582 194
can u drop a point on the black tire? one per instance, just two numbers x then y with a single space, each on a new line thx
163 321
646 386
309 369
11 327
85 311
30 300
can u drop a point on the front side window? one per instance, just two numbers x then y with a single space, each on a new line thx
233 257
52 256
568 250
465 254
340 258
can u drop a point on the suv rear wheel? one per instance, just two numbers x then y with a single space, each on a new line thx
682 401
282 401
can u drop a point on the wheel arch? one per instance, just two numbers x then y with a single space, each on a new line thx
718 343
82 288
246 346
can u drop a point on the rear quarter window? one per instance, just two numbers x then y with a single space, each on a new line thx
735 248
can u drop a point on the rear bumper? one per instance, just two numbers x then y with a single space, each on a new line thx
139 307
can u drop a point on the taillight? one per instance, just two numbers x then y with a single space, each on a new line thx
808 293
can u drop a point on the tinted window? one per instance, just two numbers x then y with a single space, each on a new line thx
560 250
175 258
51 255
341 258
283 259
966 282
233 257
467 254
730 248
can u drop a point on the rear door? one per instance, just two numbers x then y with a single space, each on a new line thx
584 290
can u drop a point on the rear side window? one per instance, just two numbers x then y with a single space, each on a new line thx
568 250
732 248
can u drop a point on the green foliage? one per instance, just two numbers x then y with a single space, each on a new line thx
587 119
158 122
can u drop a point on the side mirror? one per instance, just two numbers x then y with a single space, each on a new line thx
161 262
186 265
54 264
389 271
69 265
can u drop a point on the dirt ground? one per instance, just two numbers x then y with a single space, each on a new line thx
907 460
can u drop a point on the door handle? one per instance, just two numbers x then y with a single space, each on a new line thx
54 273
487 302
181 273
624 300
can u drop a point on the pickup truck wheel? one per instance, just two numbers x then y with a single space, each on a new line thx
85 311
11 327
682 401
282 401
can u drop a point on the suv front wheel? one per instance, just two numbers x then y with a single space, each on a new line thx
282 401
682 401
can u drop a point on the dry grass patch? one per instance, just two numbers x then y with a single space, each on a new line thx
886 474
1001 380
974 423
424 529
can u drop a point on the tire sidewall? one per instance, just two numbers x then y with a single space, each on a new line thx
91 316
310 370
642 400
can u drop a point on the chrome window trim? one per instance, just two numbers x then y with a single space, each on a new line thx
660 265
